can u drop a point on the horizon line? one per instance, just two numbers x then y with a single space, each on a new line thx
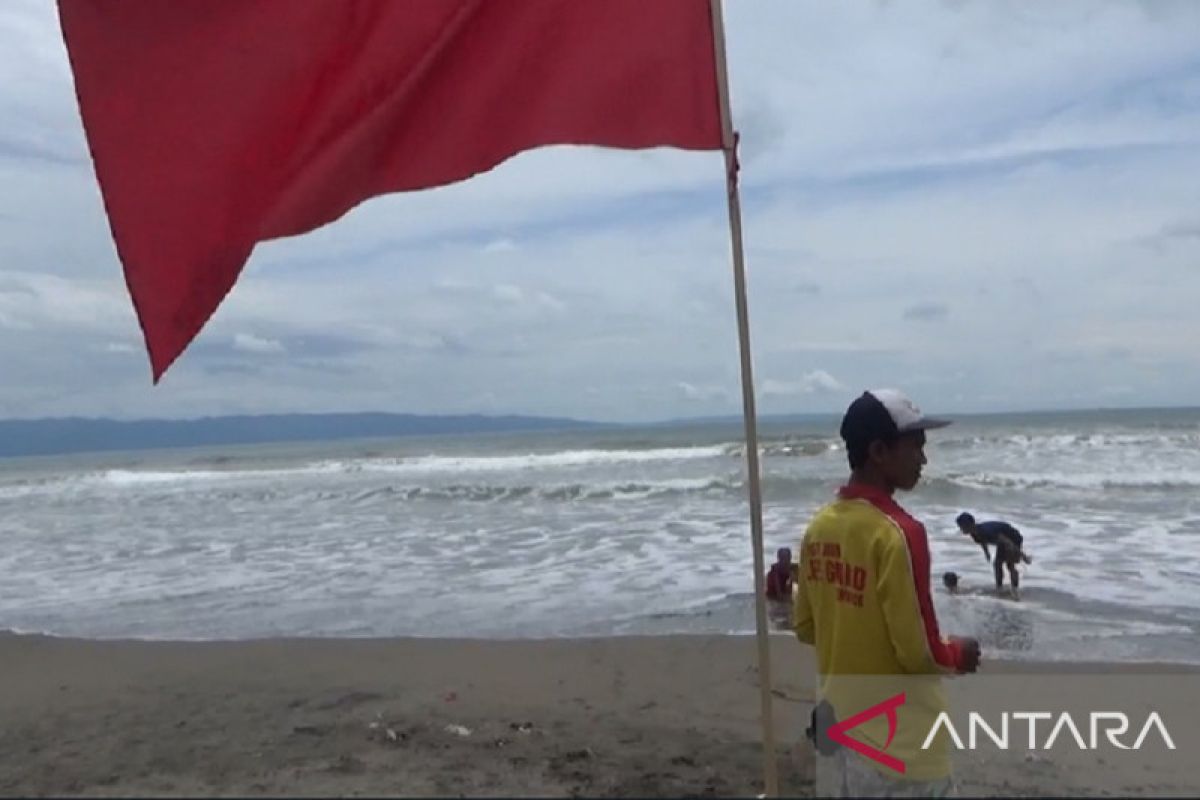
719 416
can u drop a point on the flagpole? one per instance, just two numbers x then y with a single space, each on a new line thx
729 147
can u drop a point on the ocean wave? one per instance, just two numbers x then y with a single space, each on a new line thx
266 485
433 464
1166 480
429 465
1071 442
788 448
565 475
552 492
734 486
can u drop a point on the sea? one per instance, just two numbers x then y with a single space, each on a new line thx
622 531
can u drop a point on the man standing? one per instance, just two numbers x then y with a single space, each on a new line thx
864 602
1009 546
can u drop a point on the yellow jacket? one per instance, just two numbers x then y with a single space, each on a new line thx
863 601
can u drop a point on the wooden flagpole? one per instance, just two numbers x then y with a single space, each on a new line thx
729 147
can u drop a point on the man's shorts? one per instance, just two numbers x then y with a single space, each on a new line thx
847 774
1011 556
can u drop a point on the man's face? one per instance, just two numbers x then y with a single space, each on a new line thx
784 555
901 462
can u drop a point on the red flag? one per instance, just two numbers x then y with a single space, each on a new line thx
217 124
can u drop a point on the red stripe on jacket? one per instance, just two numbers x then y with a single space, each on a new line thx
945 654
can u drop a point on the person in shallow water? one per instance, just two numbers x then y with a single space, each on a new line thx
950 581
1009 546
782 576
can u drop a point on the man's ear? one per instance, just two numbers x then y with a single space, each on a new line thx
877 450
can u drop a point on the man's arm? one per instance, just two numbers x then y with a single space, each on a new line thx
986 553
911 622
802 615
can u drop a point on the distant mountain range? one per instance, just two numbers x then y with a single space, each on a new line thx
77 435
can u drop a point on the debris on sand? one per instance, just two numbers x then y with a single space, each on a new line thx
309 730
578 755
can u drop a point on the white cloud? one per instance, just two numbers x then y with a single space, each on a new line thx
702 393
515 295
509 293
815 382
249 343
30 300
550 302
500 246
455 285
12 323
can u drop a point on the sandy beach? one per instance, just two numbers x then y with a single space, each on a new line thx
649 716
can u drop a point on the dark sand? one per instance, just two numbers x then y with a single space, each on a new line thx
649 716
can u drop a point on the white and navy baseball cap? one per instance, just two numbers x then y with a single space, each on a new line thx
884 414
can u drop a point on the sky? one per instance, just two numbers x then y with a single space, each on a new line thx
993 206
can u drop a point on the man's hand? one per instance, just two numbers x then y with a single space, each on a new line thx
970 652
